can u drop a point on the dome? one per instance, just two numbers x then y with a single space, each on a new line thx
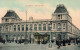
61 9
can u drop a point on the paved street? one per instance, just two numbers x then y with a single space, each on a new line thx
13 46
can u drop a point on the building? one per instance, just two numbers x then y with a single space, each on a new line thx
60 27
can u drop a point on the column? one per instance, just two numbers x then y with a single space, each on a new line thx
16 38
24 27
28 27
46 27
9 28
52 27
33 27
20 28
16 27
12 28
42 27
37 27
32 38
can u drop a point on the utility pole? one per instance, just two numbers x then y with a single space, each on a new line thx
50 43
26 30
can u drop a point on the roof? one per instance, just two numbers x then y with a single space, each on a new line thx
11 13
61 9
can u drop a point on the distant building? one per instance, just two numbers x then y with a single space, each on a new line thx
60 26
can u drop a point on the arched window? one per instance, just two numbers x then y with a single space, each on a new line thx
6 28
22 27
44 26
49 26
35 27
14 27
18 27
31 27
40 27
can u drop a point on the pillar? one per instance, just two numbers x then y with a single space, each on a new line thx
46 27
32 38
17 38
42 27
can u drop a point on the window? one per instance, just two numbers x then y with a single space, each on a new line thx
60 16
26 27
64 26
18 27
59 26
44 26
35 27
40 27
22 27
53 26
31 27
10 28
14 27
49 26
6 20
6 28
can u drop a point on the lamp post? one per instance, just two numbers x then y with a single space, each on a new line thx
50 43
75 39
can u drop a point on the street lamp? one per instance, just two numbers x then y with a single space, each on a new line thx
50 43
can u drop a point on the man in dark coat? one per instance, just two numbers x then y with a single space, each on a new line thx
64 43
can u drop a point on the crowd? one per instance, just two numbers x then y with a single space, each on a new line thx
68 41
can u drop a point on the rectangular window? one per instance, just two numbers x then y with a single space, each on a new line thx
6 28
14 27
10 28
22 27
26 27
31 27
59 28
18 27
49 26
64 26
60 16
35 27
53 26
44 26
40 27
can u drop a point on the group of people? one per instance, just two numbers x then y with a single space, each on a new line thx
62 42
68 41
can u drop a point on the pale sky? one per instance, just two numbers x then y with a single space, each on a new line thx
40 9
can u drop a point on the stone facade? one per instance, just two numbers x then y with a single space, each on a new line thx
59 26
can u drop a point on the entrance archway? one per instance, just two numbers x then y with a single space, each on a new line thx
40 38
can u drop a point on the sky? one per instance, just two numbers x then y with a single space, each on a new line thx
40 9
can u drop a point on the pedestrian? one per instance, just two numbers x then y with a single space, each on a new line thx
64 43
59 43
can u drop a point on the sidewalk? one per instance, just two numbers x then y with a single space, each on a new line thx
14 46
